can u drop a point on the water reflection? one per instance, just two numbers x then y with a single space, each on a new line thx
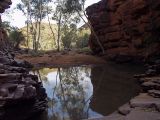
69 91
76 93
114 86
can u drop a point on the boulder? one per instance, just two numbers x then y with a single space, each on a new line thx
145 101
154 93
150 85
125 109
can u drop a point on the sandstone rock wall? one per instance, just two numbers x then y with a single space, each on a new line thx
125 27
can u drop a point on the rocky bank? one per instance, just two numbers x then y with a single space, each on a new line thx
21 94
127 29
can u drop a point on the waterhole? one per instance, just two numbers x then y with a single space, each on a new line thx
76 93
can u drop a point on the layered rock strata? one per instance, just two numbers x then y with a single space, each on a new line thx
21 94
125 28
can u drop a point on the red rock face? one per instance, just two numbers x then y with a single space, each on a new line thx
123 26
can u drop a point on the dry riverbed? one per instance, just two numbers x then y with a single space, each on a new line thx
61 59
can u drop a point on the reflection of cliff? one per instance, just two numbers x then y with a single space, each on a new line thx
126 27
113 87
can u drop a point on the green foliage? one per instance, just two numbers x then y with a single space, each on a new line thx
65 14
68 35
66 23
73 6
82 41
83 38
35 10
16 38
85 50
46 42
38 35
71 37
6 26
67 39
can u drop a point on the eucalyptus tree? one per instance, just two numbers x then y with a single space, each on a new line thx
25 8
66 22
16 38
57 16
35 11
78 6
69 35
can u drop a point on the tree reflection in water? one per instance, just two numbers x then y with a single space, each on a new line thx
69 91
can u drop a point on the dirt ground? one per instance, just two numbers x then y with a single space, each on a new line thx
61 59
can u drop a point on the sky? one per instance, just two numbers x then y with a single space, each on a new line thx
17 19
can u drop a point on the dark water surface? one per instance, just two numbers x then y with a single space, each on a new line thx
76 93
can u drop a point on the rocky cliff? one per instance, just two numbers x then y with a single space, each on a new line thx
126 28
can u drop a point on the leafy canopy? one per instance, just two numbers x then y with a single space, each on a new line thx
74 5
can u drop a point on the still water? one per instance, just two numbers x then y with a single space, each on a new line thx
76 93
